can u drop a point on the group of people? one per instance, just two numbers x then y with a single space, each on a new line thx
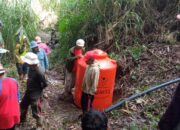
32 64
37 47
90 79
10 97
91 119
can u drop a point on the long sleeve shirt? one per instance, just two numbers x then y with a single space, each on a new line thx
36 80
91 78
45 47
43 59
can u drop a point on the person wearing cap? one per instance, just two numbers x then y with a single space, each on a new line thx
20 51
75 53
36 82
41 55
42 45
90 82
9 102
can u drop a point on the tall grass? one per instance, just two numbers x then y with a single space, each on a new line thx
14 14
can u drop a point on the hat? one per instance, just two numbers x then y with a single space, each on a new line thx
38 39
89 55
30 58
33 44
2 70
178 16
80 43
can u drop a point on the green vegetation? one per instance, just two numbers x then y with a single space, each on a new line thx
51 4
110 25
102 23
128 30
15 14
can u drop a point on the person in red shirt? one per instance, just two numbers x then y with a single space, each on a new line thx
9 102
75 53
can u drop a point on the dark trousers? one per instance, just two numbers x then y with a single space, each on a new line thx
171 118
22 68
86 101
32 99
13 128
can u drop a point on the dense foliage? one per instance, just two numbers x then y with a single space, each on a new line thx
15 14
111 24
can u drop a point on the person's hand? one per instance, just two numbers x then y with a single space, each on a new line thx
79 56
21 62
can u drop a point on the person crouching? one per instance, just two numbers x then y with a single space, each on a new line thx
36 82
90 82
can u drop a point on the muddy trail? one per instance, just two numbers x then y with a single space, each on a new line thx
57 113
157 65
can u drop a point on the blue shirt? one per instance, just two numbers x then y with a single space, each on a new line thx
43 59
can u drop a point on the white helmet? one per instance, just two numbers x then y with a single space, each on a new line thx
80 43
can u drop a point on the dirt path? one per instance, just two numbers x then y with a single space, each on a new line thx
58 115
159 64
58 112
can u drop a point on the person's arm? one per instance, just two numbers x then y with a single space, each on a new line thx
18 92
46 62
19 96
48 50
71 55
95 79
84 80
43 80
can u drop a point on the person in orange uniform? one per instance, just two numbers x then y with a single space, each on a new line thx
75 53
9 102
90 82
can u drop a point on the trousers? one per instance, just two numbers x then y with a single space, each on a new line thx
86 101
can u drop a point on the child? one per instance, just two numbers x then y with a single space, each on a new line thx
36 82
